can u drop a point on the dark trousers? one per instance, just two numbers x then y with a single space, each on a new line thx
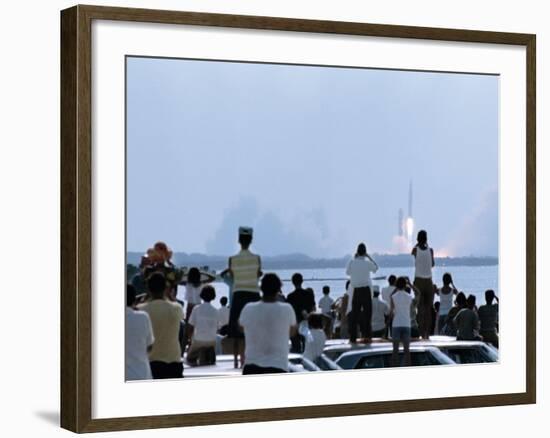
297 344
240 299
389 324
163 370
425 305
201 353
328 324
361 313
255 369
182 337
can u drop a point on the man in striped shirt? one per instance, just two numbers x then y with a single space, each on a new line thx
245 269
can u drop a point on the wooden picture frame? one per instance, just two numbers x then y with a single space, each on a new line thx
76 217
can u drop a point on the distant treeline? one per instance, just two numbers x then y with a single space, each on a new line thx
302 261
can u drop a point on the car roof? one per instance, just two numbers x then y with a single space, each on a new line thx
454 344
388 349
229 357
343 345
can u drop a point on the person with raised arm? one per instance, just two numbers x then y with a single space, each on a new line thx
446 294
401 302
359 270
423 263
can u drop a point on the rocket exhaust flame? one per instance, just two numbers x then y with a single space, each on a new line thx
409 227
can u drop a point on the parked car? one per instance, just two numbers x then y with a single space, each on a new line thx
459 351
380 356
463 352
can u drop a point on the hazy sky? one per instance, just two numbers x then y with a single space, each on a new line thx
316 159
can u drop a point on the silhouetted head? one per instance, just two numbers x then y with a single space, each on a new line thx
401 283
447 279
326 290
208 293
223 301
422 238
130 295
376 293
270 286
490 296
245 237
391 280
471 301
361 250
315 321
157 285
460 299
245 241
194 277
160 246
297 280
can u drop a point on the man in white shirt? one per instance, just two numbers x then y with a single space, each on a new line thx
268 325
380 310
359 269
400 307
203 327
139 339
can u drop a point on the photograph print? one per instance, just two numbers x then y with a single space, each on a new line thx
285 218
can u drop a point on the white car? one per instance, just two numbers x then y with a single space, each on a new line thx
463 351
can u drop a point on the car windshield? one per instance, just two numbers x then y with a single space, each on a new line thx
418 358
468 355
333 354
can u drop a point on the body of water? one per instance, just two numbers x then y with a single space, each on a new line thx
468 279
